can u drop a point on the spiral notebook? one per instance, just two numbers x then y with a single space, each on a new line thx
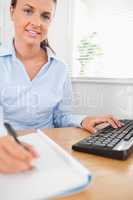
56 173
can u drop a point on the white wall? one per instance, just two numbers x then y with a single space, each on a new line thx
104 96
58 33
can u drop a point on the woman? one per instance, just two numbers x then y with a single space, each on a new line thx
35 88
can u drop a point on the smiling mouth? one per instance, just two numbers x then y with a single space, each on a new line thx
33 33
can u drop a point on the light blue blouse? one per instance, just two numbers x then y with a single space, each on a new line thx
43 102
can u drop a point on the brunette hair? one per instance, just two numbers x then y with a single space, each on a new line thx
44 43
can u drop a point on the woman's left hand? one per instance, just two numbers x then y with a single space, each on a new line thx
89 123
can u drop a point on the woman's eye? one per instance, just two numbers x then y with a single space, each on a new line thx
28 11
46 17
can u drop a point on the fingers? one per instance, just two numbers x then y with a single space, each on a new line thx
31 150
17 151
89 122
117 122
90 129
114 122
14 157
9 164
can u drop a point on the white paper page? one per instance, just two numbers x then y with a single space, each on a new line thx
54 173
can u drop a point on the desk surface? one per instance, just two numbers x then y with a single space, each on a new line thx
112 179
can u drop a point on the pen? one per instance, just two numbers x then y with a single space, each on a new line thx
13 133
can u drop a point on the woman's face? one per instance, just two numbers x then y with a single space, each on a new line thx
31 20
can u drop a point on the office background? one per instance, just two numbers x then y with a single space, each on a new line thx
91 95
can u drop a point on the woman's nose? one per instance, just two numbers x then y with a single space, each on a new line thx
36 21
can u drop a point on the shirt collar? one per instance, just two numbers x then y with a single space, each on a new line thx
9 49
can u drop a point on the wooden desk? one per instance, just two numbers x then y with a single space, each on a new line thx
112 179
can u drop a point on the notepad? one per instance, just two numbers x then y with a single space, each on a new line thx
56 173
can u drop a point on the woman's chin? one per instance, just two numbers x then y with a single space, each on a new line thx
32 42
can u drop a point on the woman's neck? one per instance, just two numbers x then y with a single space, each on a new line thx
27 52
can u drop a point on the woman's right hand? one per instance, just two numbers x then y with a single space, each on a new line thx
14 157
